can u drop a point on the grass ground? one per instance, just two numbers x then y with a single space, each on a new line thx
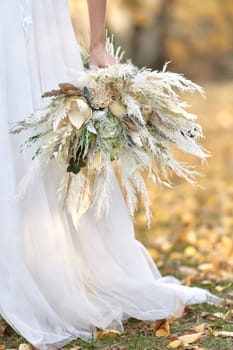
191 238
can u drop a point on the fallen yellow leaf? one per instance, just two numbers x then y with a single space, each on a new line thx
229 315
175 344
163 330
197 329
107 334
162 333
219 315
190 338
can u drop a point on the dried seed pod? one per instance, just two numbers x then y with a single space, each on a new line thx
67 86
72 92
100 95
65 89
52 93
118 109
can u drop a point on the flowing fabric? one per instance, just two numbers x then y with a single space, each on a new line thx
58 283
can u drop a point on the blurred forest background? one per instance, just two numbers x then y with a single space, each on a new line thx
191 226
197 36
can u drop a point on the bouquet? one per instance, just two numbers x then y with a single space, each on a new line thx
120 118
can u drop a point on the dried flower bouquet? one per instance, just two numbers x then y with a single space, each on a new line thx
120 113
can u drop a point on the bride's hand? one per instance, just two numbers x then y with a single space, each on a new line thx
100 58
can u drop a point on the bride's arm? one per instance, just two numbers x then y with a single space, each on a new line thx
99 57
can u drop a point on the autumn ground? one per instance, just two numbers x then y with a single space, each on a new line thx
191 238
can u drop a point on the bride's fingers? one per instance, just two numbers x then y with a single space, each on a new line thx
93 67
101 59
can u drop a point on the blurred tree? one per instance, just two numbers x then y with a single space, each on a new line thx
144 16
197 36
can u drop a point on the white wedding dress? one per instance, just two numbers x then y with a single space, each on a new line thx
58 283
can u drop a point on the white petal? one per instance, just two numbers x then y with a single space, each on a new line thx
91 128
79 112
76 119
100 115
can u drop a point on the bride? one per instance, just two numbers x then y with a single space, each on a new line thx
58 283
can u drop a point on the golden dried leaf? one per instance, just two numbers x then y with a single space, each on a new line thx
107 334
156 325
162 333
190 338
229 315
219 315
175 344
2 347
197 329
163 330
